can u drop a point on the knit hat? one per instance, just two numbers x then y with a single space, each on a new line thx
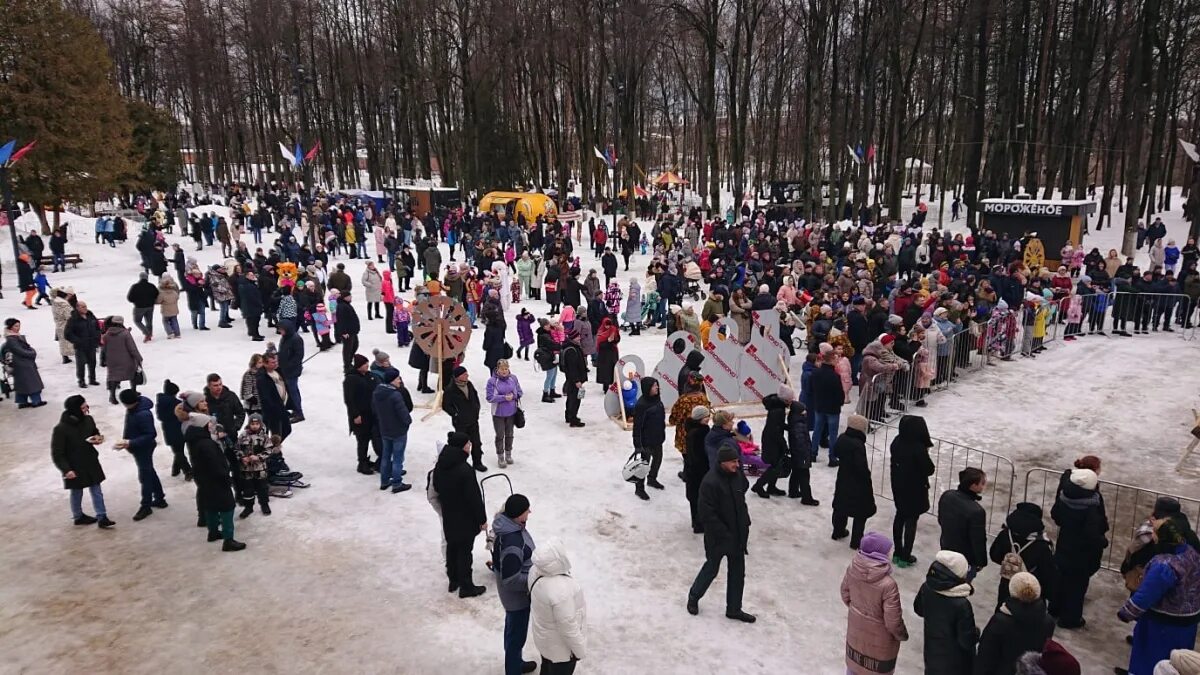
1084 478
953 561
1186 661
457 439
726 454
787 393
895 320
720 418
390 375
192 399
458 370
1024 587
858 423
940 311
143 276
515 505
360 361
74 405
170 388
1164 506
116 320
501 363
743 428
1058 661
700 412
255 417
381 355
128 396
875 544
886 340
10 322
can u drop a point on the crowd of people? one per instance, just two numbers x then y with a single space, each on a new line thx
870 300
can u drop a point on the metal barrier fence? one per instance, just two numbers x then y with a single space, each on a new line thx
1127 507
948 459
1146 312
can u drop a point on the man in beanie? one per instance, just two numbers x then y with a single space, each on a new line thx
73 449
143 295
827 397
853 497
461 402
1054 660
944 601
394 419
164 410
463 513
214 487
1020 625
575 371
347 326
722 511
357 390
963 520
82 330
512 556
140 439
721 435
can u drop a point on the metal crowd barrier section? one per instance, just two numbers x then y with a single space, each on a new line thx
1145 313
948 459
1127 507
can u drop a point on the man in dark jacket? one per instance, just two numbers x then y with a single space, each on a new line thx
291 366
774 441
463 512
695 460
164 410
224 405
1021 625
649 433
357 391
853 496
828 397
340 280
800 448
140 439
83 332
460 401
575 371
392 416
963 520
722 510
877 318
347 327
142 295
251 303
944 601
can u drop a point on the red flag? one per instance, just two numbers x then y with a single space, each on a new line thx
21 153
871 152
312 153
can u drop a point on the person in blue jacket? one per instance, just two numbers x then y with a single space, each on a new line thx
649 433
164 410
393 417
140 438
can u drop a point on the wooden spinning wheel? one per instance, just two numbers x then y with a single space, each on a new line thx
441 327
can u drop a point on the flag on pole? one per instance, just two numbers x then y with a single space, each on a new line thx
612 154
313 152
871 153
853 155
7 150
21 153
299 155
287 154
603 156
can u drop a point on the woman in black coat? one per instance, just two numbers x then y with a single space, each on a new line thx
649 433
1082 524
800 447
911 469
463 512
695 460
774 443
853 496
944 601
73 449
214 489
1024 533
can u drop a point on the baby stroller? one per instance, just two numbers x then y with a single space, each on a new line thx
489 535
692 276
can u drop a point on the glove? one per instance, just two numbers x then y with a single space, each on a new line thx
1124 615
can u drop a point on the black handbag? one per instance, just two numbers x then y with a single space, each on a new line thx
139 378
519 418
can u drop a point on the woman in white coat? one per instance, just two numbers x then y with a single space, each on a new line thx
557 611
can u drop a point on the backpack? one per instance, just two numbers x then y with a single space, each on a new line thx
1013 563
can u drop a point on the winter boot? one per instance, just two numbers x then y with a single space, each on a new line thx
142 513
85 519
232 545
500 460
112 396
640 491
547 397
653 482
761 491
470 590
105 523
739 615
508 457
214 536
266 509
246 511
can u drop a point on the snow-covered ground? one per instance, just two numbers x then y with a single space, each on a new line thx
345 578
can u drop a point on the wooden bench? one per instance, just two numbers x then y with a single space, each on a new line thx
71 259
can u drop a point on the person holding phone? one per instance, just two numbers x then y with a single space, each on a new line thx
73 449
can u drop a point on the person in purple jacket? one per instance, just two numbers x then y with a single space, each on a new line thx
524 333
504 394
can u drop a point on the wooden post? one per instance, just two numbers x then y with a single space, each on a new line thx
435 406
620 398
